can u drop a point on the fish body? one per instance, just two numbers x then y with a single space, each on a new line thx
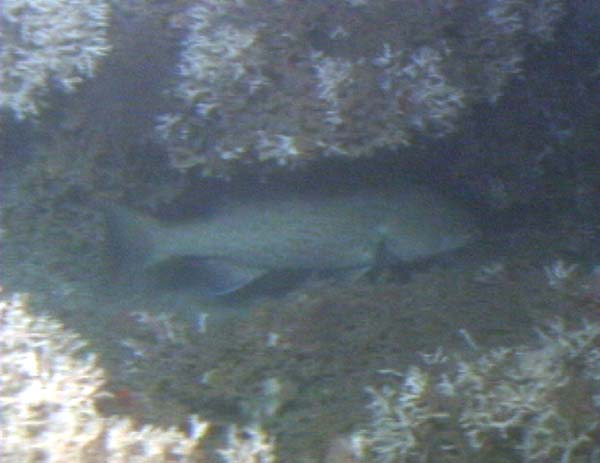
246 239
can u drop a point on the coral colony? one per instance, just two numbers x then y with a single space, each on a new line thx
508 401
516 403
297 80
279 85
48 390
51 43
316 79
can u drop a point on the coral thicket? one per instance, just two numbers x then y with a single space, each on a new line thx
48 392
526 404
48 44
300 80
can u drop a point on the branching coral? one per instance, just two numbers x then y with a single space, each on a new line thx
45 44
47 401
250 445
300 80
529 404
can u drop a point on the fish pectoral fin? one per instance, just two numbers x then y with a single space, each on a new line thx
353 275
381 259
226 278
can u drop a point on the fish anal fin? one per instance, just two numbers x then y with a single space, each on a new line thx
226 277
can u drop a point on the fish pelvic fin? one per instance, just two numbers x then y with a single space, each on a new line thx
226 278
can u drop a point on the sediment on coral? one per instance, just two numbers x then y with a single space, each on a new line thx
299 81
248 445
48 393
48 45
528 404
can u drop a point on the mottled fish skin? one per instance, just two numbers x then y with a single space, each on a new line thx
332 232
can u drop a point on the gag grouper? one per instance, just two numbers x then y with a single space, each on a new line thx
244 240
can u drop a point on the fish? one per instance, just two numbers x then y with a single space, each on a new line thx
244 240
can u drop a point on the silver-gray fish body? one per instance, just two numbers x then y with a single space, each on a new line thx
322 233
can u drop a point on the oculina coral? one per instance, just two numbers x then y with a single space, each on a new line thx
300 80
520 404
48 44
47 395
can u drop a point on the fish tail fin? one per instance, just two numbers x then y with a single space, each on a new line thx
131 244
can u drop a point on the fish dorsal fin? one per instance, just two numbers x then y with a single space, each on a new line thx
226 277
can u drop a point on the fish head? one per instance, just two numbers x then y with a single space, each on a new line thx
426 225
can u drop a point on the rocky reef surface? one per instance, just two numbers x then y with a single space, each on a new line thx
170 107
